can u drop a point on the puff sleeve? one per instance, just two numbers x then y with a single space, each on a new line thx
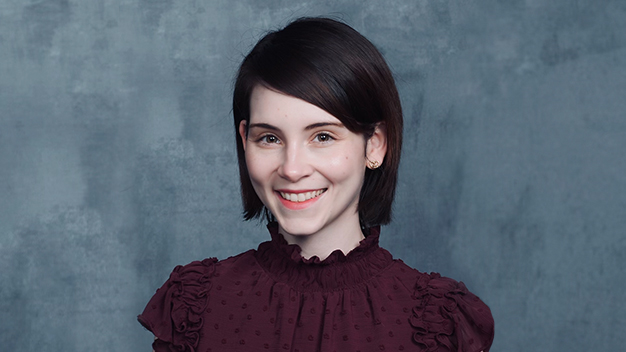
447 317
175 312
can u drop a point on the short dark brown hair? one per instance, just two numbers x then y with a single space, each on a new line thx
328 64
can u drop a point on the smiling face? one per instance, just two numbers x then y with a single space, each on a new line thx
305 165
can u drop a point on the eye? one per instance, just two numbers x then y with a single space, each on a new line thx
269 139
323 137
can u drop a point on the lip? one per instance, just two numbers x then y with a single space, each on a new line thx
299 190
298 205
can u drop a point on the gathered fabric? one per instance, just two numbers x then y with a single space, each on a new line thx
274 299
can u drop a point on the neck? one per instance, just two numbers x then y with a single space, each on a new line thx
344 236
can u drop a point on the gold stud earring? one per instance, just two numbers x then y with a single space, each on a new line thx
373 165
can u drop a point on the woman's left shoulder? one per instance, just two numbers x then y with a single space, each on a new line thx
447 315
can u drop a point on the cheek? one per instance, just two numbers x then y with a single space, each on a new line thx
262 168
256 167
257 171
337 164
345 165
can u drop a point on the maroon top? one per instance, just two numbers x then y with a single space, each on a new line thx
272 299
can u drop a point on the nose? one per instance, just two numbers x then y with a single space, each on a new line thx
295 164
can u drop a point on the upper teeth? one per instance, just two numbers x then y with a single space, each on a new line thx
301 197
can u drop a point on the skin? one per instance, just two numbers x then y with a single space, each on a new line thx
294 147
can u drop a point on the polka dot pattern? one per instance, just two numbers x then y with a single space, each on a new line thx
272 299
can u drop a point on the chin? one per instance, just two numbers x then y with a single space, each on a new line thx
299 227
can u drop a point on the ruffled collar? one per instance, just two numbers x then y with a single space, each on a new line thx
284 263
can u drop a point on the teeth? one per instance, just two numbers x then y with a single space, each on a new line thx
301 197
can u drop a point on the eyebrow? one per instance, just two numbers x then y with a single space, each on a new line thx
309 127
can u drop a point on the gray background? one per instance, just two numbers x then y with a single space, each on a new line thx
117 158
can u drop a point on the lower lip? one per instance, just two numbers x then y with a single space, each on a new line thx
297 205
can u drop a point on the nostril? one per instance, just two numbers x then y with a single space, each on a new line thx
294 168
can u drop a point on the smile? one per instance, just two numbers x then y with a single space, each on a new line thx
302 196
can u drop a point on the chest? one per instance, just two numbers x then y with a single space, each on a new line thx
274 317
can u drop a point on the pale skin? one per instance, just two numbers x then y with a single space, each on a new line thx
292 146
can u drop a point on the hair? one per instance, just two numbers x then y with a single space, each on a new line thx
328 64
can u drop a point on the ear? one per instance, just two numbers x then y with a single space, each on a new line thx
376 147
243 133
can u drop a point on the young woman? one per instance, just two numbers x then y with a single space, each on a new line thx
319 130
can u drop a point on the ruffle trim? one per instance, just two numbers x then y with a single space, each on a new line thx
174 315
283 262
337 256
447 317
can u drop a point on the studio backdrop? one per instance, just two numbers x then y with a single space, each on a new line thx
117 158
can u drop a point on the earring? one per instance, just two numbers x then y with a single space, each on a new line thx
373 165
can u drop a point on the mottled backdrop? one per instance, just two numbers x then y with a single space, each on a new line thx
117 158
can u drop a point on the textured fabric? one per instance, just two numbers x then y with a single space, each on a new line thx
272 299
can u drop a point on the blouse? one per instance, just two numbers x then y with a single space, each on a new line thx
273 299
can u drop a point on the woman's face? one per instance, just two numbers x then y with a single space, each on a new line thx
305 166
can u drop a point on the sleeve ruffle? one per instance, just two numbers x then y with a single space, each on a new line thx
447 317
174 314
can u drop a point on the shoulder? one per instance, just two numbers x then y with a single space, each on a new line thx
211 267
174 313
446 315
202 272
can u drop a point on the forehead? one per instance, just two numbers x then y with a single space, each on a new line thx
267 105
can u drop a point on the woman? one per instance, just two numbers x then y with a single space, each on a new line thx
319 125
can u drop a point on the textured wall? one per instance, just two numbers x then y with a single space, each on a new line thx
117 158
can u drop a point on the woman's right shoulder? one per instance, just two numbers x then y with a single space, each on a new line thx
175 310
209 268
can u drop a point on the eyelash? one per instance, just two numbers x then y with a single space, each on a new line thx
326 134
264 138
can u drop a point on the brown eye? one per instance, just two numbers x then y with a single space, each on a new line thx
270 139
323 137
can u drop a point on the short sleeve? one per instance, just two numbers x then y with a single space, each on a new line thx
447 317
175 313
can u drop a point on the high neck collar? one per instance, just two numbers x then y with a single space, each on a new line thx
284 262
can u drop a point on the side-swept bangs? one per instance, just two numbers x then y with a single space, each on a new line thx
330 65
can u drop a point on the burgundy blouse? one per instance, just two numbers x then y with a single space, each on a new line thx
272 299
